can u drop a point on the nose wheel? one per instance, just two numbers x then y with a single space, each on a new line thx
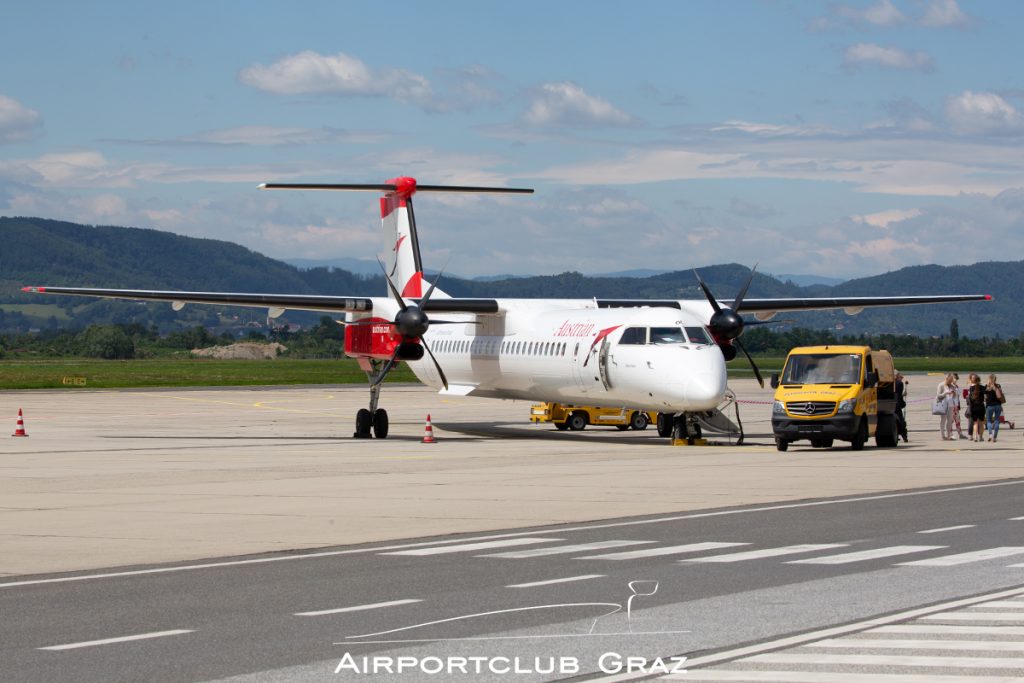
373 422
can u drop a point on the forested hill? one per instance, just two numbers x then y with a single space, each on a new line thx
36 251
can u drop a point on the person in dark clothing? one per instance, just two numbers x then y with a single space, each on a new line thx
900 388
976 403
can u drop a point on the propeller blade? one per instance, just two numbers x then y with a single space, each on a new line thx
753 365
784 321
456 322
391 286
386 369
426 297
707 292
743 292
440 372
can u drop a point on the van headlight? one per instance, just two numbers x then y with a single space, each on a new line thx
779 408
846 406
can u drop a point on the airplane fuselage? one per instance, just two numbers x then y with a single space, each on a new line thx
657 359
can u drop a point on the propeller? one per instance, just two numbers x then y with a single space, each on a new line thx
412 323
727 324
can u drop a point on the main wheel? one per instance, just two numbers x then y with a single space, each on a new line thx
363 422
861 437
380 423
638 421
577 421
664 425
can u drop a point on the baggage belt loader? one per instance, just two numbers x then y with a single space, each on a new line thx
835 392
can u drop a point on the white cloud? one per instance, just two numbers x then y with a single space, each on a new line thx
312 73
862 54
569 104
983 112
883 219
882 13
17 122
943 14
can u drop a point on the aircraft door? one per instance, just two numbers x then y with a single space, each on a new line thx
579 372
603 362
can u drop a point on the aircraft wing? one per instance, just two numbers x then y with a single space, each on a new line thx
850 303
299 302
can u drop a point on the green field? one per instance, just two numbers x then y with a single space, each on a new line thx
77 373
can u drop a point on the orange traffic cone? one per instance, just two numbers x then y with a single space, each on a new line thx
428 432
20 431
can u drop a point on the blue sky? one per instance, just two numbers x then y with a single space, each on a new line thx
841 139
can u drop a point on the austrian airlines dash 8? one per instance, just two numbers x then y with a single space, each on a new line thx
666 355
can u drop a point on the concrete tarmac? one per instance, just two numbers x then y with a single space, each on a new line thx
115 478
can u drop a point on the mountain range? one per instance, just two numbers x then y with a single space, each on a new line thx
40 251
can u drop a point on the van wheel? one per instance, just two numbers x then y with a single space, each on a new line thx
781 444
861 437
577 421
886 434
638 421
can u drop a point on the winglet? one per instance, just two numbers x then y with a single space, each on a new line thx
34 289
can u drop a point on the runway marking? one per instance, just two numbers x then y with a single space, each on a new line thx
111 641
1005 603
658 552
765 552
862 555
824 677
357 608
977 616
947 528
950 629
549 582
889 660
736 657
921 644
468 547
964 558
563 549
1016 519
561 530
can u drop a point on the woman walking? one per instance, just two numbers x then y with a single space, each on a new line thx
976 404
994 399
956 409
944 394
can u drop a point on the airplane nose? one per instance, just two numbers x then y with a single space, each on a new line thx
700 385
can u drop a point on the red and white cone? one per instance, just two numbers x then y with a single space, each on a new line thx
428 432
20 431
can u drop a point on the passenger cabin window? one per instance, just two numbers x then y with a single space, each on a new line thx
634 335
667 335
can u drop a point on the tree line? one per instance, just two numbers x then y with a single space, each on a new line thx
326 339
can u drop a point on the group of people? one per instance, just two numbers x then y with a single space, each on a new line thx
982 405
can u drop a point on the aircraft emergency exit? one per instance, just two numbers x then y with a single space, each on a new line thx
664 355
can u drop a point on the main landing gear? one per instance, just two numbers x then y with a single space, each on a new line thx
375 419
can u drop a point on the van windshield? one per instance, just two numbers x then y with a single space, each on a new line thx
822 368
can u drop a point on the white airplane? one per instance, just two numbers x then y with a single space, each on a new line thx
666 356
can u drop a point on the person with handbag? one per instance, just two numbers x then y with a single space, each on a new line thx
943 406
955 398
994 399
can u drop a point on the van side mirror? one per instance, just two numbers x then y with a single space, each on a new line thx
775 380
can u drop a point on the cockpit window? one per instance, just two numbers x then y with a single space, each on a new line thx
698 335
634 335
667 335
